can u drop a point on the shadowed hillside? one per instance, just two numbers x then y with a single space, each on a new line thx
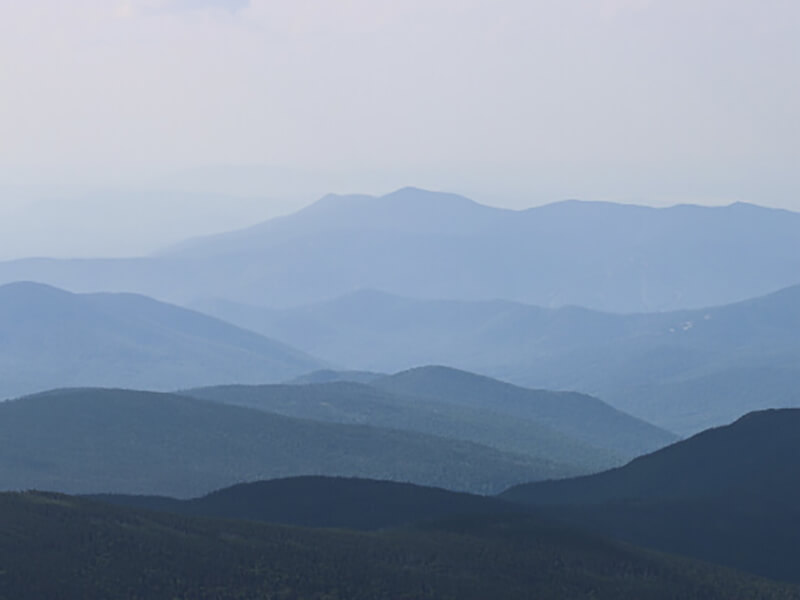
729 495
326 502
93 551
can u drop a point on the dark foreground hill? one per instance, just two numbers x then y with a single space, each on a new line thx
326 502
96 440
50 338
54 546
729 495
552 428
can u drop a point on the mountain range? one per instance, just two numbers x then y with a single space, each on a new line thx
430 245
274 418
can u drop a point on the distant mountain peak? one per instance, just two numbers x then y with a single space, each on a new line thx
405 198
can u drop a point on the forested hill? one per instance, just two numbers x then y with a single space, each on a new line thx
483 421
730 495
757 456
102 440
54 546
326 502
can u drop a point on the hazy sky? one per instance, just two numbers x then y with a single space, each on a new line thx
513 102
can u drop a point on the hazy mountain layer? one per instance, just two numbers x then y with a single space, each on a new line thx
93 551
96 441
730 495
51 338
685 370
423 244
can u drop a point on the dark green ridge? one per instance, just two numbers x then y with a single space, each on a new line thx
729 495
354 403
326 502
123 441
59 547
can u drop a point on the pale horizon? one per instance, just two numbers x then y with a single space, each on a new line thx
156 120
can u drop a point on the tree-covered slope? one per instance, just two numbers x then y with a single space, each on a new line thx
758 453
54 546
100 440
346 402
729 495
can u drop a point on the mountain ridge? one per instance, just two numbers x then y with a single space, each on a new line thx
471 252
95 551
318 501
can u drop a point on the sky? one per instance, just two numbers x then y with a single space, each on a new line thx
159 119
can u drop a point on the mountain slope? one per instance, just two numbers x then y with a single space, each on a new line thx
93 551
581 417
51 338
729 495
347 402
96 440
470 252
